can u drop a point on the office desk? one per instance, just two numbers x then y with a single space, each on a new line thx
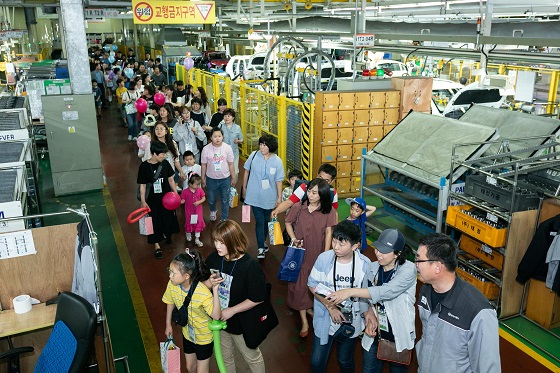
41 316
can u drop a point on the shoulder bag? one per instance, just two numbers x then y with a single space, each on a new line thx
130 107
258 321
149 185
387 350
180 316
241 199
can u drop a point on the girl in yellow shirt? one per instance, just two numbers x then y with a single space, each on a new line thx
186 270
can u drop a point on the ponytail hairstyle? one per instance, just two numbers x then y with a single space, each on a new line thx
193 177
403 254
191 262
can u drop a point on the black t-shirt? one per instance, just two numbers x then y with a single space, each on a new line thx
248 283
436 298
146 174
216 119
177 93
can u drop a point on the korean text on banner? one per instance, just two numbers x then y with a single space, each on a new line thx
174 12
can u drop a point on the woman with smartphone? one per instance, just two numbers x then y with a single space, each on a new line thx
243 297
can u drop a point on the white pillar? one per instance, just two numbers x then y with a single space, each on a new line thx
74 31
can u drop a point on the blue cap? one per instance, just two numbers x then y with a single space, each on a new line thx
359 201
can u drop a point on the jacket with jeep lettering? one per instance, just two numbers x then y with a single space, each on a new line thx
460 334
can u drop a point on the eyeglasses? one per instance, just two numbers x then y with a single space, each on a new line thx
416 260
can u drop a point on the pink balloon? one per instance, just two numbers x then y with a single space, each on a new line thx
188 63
171 200
159 99
141 105
143 142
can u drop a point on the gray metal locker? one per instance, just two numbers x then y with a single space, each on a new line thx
71 126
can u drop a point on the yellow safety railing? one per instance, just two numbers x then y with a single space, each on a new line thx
258 113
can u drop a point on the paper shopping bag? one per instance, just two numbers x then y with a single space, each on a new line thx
246 214
233 197
275 232
170 356
146 226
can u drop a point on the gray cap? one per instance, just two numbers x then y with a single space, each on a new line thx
389 240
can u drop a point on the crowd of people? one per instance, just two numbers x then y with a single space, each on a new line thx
195 153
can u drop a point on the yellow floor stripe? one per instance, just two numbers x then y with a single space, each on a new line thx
528 350
144 323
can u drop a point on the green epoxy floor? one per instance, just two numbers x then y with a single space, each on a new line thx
545 343
123 326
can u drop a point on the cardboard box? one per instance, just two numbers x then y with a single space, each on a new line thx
343 185
357 151
346 118
416 93
392 99
344 153
387 129
378 99
330 137
343 169
361 134
357 168
330 119
356 185
330 101
329 154
345 135
347 101
363 100
377 117
361 118
375 134
391 116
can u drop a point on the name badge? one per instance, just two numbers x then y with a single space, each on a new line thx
157 186
383 321
265 184
194 218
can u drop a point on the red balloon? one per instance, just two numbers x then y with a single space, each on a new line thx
159 99
137 214
171 200
141 105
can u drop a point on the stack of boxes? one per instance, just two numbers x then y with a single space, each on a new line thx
347 122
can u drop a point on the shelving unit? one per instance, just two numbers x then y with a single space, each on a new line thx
18 165
409 171
498 214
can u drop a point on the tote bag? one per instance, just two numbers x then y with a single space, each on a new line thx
291 264
170 356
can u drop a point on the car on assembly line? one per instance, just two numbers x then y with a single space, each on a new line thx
451 99
213 61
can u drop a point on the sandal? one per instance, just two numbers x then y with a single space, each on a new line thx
159 253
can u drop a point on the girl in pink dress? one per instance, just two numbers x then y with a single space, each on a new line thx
193 197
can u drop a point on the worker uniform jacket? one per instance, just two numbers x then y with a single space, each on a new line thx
460 334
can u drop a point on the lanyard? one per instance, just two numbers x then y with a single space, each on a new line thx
353 267
231 273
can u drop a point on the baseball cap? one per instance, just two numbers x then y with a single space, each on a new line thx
389 240
359 201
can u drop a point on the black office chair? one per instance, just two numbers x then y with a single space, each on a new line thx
69 345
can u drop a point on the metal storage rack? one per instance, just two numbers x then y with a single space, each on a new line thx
409 171
499 208
18 163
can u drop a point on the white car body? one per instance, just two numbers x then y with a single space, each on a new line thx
451 99
396 67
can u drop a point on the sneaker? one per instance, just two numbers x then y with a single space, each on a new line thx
134 138
265 248
189 236
198 243
213 215
129 138
158 254
260 253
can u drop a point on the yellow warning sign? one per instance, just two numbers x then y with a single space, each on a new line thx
174 12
